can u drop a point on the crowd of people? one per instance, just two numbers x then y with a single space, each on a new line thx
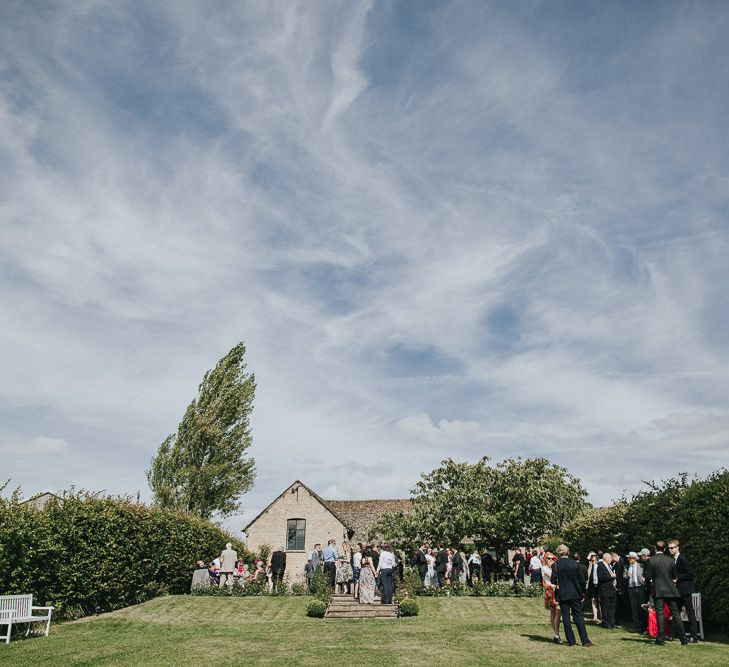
365 571
229 570
647 591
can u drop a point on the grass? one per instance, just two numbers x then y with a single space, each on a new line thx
184 630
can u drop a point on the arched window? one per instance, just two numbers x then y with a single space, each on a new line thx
295 534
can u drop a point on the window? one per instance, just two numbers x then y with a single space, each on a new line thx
295 534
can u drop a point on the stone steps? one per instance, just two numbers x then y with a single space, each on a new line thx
345 606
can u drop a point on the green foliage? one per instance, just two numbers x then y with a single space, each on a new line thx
411 584
696 512
497 589
316 609
505 589
252 589
264 553
515 502
202 468
409 607
299 588
92 553
320 586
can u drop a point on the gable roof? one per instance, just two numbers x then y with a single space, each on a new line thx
40 499
313 494
359 515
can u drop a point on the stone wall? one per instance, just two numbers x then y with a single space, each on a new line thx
295 503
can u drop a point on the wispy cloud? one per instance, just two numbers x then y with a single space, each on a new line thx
441 232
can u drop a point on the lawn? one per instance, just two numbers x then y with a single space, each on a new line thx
183 630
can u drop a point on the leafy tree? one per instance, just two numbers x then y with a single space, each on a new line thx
202 469
515 502
531 498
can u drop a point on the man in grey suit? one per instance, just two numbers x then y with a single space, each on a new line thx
316 558
228 560
661 573
633 575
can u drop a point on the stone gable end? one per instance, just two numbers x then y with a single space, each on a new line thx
296 502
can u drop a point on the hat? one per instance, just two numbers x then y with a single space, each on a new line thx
632 554
645 552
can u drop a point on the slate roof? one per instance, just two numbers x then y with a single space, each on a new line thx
359 515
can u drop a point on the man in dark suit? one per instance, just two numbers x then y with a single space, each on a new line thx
582 566
441 565
422 563
278 567
661 573
518 565
569 580
488 567
606 590
457 565
622 607
685 585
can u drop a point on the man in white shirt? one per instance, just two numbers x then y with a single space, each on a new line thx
535 567
356 567
385 569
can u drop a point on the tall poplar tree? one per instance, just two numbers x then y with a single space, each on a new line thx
203 468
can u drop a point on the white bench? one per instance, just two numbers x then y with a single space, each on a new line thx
696 601
16 609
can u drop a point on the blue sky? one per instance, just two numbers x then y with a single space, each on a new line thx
442 229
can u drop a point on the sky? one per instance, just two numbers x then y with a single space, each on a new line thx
441 229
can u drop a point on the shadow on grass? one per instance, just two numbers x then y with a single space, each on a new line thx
538 638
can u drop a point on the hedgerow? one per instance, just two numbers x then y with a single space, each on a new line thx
89 553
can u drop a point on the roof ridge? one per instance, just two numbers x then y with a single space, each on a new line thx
362 500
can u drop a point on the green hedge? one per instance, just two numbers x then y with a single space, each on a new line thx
90 553
696 512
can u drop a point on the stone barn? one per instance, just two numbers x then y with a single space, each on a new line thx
299 518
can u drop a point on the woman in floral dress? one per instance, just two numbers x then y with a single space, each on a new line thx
345 574
367 582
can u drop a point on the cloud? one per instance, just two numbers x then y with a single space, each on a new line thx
691 431
441 231
39 445
446 433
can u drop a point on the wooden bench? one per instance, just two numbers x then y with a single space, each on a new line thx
17 609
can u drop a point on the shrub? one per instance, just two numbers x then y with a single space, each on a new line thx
505 589
458 589
409 607
253 589
410 586
320 588
264 553
92 553
316 609
299 588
